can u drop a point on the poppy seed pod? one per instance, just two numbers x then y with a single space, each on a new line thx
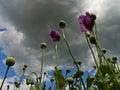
52 79
10 61
104 51
93 16
62 24
68 70
80 72
70 80
78 62
92 39
43 45
114 58
25 66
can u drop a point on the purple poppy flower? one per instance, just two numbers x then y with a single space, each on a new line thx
86 22
54 35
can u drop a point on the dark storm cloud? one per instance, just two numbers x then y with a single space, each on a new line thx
34 19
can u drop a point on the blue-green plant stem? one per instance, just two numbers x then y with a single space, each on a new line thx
91 50
4 78
63 35
41 66
56 51
99 53
118 67
94 57
104 57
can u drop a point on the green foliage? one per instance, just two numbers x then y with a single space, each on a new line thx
60 80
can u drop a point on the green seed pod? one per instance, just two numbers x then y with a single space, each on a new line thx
70 80
52 79
62 24
68 70
78 62
8 87
93 16
10 61
44 73
29 80
24 69
80 72
43 45
104 51
114 58
25 66
92 39
17 84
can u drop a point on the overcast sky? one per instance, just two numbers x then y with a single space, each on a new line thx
28 23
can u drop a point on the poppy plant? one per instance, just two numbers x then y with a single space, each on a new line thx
54 35
86 22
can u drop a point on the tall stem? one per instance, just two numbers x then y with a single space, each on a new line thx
91 50
56 51
72 57
4 77
41 65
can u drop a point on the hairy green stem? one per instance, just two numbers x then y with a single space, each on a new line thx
4 77
41 65
91 50
73 58
56 51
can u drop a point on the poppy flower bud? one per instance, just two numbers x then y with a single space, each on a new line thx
81 72
10 61
68 70
78 62
70 80
62 24
114 58
8 87
104 51
43 45
93 16
24 69
29 80
25 66
92 39
52 79
44 73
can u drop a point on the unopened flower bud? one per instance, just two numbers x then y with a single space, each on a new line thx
94 67
68 70
114 58
25 66
8 87
28 80
80 72
44 73
24 69
78 62
92 39
104 51
17 84
93 16
70 80
62 24
52 79
10 61
43 45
